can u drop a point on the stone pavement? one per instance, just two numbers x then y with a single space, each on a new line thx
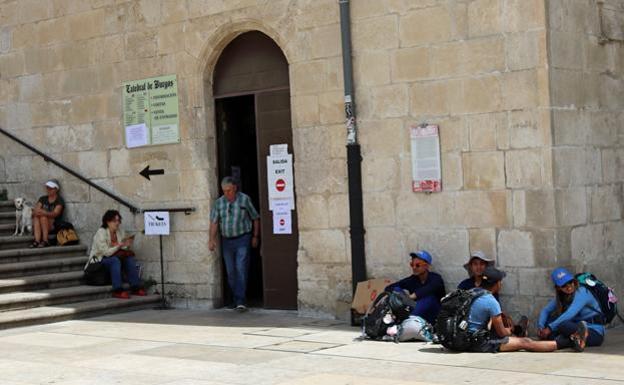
182 347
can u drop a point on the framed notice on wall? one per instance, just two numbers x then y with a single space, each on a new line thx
150 108
426 169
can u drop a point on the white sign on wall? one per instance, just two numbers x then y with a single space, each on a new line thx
156 223
426 169
280 177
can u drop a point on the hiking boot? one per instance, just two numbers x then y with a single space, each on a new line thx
241 308
523 327
121 295
579 338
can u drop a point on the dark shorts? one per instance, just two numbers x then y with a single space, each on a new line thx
491 344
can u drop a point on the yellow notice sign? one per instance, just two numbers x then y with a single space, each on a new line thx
152 103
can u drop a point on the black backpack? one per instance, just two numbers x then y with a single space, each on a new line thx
452 322
603 294
389 308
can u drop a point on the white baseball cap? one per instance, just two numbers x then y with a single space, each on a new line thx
53 183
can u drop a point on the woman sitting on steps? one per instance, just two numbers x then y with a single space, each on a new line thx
111 247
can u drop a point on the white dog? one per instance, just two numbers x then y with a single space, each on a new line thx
23 216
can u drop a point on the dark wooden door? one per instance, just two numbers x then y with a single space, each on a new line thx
279 251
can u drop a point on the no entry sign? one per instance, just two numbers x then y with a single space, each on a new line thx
280 177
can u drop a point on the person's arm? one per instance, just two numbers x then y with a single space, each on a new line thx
256 233
499 326
398 286
38 209
581 299
546 311
58 210
433 287
214 226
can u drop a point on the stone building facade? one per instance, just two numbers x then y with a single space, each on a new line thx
528 95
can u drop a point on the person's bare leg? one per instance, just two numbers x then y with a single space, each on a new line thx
516 343
37 228
45 228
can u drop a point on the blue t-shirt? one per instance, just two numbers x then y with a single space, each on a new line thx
482 310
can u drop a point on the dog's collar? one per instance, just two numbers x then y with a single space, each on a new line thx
22 209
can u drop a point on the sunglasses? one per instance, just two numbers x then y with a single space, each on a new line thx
420 265
569 283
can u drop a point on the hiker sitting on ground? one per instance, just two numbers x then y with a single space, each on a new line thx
47 213
485 310
423 286
475 266
572 305
111 247
477 262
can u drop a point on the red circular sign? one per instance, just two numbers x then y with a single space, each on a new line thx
280 185
282 222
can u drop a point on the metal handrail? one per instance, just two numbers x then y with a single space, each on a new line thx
133 208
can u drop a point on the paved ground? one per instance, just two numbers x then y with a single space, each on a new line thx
222 347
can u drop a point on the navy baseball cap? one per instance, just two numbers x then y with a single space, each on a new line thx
491 275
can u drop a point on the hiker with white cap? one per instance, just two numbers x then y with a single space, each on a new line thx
423 286
47 214
477 262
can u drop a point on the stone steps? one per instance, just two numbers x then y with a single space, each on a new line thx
46 266
41 282
63 295
11 242
35 254
46 314
41 285
7 228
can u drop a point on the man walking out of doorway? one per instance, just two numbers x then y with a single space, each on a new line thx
234 215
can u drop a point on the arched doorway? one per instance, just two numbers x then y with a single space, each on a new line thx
252 110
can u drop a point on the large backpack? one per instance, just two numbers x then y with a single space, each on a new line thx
452 322
389 308
603 294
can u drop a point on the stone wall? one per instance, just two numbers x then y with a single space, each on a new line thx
517 183
587 86
479 69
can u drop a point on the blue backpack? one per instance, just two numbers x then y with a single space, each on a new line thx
603 294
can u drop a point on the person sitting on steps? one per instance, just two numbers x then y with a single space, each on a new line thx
47 214
112 247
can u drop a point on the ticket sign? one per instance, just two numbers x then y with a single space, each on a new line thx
150 108
426 169
280 177
156 223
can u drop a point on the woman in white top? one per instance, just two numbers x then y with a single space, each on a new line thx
112 248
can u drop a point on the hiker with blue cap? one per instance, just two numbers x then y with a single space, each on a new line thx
574 314
423 286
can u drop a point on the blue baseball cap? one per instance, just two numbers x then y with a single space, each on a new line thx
422 254
561 276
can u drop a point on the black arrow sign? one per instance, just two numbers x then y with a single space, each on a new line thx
146 172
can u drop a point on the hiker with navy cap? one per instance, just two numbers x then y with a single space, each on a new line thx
489 333
574 307
423 286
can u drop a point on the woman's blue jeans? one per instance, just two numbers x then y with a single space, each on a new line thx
236 258
115 266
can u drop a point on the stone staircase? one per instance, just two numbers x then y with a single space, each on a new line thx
44 285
